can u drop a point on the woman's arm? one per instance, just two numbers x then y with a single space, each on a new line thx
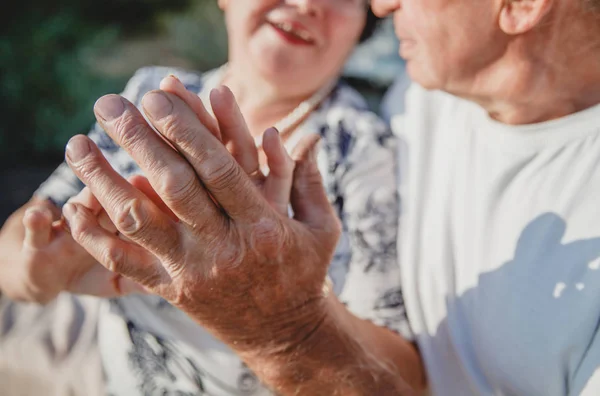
29 249
32 249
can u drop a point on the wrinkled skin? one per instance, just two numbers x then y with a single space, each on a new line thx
232 259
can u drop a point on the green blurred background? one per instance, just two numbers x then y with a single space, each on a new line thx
57 58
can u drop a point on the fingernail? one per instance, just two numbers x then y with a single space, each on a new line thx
109 107
277 138
157 105
69 211
272 131
174 77
214 95
78 148
269 134
219 92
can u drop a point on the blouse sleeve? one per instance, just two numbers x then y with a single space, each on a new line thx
63 184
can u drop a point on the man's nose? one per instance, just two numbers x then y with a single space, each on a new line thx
382 8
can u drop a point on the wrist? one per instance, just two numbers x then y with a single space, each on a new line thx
333 357
320 351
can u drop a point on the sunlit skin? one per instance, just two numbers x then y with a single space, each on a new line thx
271 71
280 53
523 61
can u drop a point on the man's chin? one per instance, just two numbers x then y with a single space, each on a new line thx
417 74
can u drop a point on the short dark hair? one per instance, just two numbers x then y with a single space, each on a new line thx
371 24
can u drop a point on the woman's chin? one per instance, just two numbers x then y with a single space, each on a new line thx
277 68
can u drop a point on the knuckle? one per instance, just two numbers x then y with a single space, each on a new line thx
314 178
222 176
178 183
180 131
80 228
130 130
268 234
88 167
114 259
313 186
308 177
131 218
231 257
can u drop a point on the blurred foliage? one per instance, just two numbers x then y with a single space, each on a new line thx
54 59
199 35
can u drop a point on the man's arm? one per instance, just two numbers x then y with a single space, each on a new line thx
249 275
345 355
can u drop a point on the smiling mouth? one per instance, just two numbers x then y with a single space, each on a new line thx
293 33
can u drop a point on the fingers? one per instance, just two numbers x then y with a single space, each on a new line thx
309 199
278 183
101 282
173 85
133 214
234 130
219 172
114 254
170 175
241 145
38 227
142 184
87 199
307 147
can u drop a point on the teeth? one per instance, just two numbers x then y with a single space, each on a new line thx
287 27
304 36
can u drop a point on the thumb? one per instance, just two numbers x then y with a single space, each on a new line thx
38 227
100 282
308 198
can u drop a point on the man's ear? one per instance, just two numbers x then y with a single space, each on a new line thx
520 16
222 4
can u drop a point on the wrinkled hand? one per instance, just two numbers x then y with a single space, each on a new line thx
232 260
232 132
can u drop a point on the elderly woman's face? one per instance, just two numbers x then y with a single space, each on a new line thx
445 42
300 43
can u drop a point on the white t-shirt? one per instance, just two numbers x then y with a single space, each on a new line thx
500 248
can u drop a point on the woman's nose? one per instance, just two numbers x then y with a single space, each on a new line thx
310 7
